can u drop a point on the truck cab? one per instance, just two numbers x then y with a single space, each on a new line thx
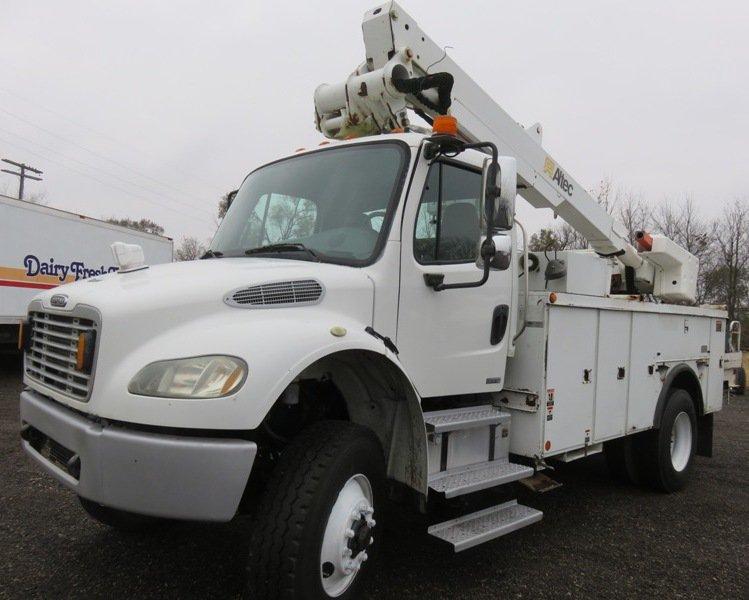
322 260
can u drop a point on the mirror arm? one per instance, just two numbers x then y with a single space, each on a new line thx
435 280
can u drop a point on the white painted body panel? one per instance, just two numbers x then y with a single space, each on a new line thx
444 336
602 335
30 230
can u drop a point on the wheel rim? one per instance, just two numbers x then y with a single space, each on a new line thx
681 441
347 534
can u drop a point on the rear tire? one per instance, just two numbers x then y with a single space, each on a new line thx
119 519
329 473
666 455
621 460
740 388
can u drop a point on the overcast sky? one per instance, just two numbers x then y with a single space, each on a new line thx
155 109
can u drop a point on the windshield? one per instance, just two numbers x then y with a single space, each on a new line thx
335 205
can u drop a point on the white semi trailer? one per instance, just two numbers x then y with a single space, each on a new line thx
369 315
42 248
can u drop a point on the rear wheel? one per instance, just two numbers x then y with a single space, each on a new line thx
667 454
740 388
314 535
119 519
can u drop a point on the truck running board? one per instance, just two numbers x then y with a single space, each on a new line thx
455 419
479 527
464 480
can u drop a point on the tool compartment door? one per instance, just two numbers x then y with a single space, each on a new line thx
612 374
571 360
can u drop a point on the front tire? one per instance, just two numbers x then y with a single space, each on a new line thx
315 535
667 454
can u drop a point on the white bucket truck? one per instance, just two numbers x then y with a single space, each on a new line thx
369 315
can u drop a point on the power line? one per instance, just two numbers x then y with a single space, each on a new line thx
21 174
179 212
107 173
97 154
103 135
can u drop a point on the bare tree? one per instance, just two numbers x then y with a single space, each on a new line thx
732 248
544 240
189 249
624 205
223 204
145 225
681 222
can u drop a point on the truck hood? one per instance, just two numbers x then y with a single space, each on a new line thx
185 290
179 310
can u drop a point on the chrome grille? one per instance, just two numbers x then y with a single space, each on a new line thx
281 293
51 353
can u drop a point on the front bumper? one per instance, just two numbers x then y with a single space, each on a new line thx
194 478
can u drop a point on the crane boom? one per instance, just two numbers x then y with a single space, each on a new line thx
542 181
371 101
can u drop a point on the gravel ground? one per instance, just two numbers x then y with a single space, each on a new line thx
598 539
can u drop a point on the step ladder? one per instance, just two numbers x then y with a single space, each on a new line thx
469 452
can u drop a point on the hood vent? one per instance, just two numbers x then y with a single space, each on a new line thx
278 294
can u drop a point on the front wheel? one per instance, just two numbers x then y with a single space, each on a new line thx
314 535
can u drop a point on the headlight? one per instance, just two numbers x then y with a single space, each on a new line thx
197 377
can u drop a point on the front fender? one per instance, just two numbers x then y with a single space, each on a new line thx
276 348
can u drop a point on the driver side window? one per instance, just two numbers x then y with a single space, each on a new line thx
448 224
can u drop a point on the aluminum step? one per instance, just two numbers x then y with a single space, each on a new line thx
484 525
439 421
464 480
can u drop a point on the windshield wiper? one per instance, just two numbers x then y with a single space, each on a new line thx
212 254
282 247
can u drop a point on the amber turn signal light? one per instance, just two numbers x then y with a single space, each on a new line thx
84 352
80 353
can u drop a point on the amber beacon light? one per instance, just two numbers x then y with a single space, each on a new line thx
445 125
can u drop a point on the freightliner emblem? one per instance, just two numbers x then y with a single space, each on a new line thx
59 300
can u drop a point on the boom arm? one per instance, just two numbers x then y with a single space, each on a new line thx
370 100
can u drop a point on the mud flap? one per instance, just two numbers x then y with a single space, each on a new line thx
705 436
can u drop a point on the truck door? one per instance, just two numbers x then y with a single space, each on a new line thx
453 341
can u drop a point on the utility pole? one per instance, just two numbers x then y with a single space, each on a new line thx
22 175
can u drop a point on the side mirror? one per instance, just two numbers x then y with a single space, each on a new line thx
499 185
498 251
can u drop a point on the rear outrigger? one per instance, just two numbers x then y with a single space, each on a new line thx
369 315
